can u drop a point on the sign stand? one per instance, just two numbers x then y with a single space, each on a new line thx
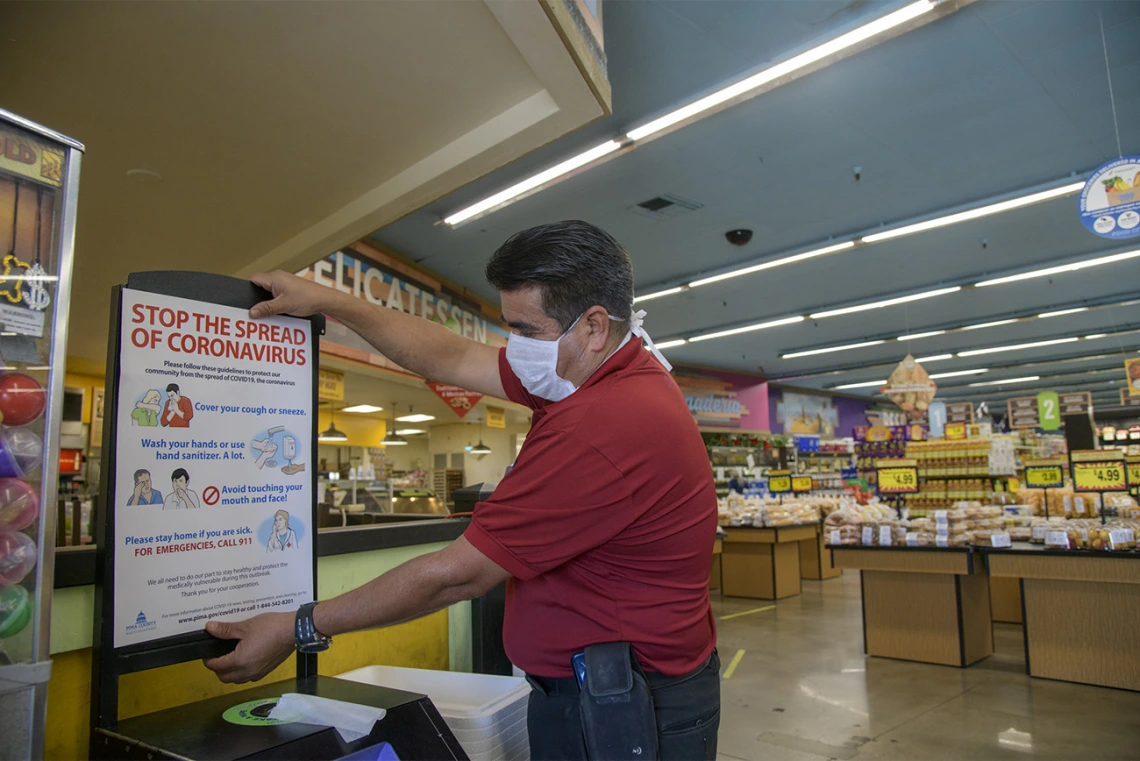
1045 475
110 662
1099 472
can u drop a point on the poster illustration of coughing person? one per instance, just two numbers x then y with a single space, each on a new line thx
178 410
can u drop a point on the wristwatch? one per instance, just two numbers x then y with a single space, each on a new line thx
309 640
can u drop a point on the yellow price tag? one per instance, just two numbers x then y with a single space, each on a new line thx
954 431
898 480
779 484
1044 477
801 484
1099 476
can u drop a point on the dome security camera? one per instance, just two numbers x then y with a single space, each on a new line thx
738 237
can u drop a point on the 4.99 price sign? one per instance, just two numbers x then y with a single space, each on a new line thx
1099 471
898 477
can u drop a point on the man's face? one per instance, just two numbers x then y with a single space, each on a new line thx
174 396
144 483
522 310
178 483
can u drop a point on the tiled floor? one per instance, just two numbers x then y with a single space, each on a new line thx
804 691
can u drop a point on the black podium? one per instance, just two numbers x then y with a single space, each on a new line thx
413 729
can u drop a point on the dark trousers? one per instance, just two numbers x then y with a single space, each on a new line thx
687 709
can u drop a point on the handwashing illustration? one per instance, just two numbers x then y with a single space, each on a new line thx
275 442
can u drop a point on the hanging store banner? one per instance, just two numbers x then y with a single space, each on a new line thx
1109 205
370 275
211 494
460 400
1075 402
1128 399
960 412
911 388
330 386
1049 410
1132 372
712 401
496 417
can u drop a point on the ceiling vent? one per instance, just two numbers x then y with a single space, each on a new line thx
665 206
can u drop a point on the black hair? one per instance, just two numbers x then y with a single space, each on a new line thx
139 472
173 387
575 264
180 473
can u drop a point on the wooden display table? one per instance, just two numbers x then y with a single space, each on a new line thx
924 604
763 563
1082 612
1005 600
815 558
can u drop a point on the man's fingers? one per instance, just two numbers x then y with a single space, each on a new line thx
225 629
267 308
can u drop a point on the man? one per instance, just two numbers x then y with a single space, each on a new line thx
178 410
181 497
144 494
603 529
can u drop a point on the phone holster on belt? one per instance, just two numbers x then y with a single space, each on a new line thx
617 707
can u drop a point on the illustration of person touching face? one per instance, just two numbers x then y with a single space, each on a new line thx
282 537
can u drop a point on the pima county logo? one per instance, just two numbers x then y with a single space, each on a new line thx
140 624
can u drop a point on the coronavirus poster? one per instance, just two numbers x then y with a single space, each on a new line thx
213 479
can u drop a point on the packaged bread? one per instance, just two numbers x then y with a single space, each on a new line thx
844 535
1034 499
1020 534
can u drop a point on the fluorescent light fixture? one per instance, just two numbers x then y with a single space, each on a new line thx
957 373
865 384
410 431
1062 268
480 448
916 336
658 294
1060 312
773 263
1095 336
516 190
886 302
935 358
1026 379
842 42
416 418
672 344
362 408
747 328
845 347
993 324
981 211
393 439
1016 347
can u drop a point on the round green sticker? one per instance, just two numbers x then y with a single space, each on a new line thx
255 713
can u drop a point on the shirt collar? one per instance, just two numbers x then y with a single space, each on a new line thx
626 353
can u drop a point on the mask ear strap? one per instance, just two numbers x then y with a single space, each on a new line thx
636 323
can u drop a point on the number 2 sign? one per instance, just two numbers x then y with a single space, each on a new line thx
1049 410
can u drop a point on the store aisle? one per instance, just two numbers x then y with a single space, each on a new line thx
804 691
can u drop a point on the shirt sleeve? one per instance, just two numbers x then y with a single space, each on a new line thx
562 499
514 387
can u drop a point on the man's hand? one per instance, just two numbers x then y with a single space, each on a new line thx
138 491
291 295
264 642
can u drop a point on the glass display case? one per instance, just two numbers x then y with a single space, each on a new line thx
39 178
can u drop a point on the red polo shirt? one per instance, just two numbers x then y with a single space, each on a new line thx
606 522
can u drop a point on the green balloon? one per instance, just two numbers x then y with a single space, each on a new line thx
15 610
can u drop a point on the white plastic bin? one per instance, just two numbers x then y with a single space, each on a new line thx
487 713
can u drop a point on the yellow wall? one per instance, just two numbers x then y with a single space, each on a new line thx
361 431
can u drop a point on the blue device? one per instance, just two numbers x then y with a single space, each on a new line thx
578 663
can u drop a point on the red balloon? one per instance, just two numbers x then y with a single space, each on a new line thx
22 398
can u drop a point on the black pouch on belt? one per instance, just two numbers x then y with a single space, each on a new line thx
617 706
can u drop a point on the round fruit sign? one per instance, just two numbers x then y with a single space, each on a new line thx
1110 202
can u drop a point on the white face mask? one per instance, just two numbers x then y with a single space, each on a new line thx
535 362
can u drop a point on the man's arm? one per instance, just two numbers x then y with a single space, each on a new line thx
424 347
422 585
188 410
